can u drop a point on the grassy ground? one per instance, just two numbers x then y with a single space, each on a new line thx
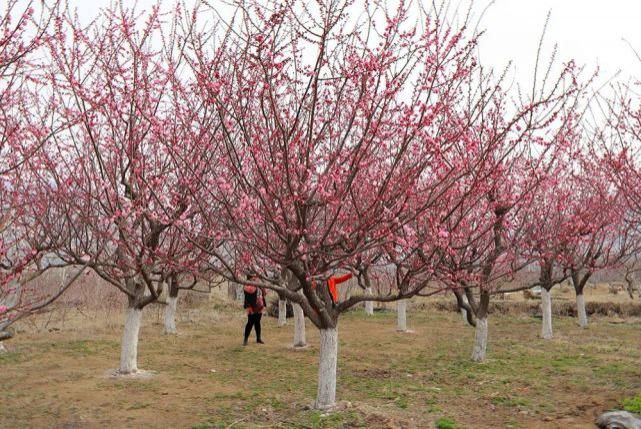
205 378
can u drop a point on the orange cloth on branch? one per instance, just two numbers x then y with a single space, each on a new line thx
334 281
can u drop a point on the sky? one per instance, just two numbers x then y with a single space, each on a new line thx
592 32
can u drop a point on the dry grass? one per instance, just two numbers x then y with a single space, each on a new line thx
58 376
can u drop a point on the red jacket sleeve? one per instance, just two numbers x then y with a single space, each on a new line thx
331 285
343 278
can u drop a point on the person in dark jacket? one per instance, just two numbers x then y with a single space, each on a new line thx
255 305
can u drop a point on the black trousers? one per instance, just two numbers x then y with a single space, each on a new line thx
253 320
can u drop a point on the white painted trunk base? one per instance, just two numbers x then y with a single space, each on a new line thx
2 348
546 307
326 395
401 315
129 347
299 326
580 310
282 312
170 316
369 305
480 340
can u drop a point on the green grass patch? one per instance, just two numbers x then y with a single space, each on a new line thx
446 423
633 404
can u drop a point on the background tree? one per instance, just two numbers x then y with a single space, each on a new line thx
24 129
116 168
470 239
603 237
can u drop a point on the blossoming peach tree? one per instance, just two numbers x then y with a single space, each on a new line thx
24 130
115 171
330 132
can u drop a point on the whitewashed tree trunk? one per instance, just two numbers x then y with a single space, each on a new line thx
299 326
480 340
2 348
326 396
170 315
580 309
546 306
282 312
129 347
369 305
401 315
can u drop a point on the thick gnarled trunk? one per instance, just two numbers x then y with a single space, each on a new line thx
326 395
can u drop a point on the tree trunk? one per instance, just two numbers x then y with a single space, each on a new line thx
463 310
232 291
480 340
326 396
282 312
481 328
170 316
369 305
299 326
129 347
2 348
546 306
579 280
401 315
170 309
580 310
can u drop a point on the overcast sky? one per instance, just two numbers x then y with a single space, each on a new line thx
590 31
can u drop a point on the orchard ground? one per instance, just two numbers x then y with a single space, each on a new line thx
56 373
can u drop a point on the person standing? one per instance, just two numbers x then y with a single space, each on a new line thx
255 305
